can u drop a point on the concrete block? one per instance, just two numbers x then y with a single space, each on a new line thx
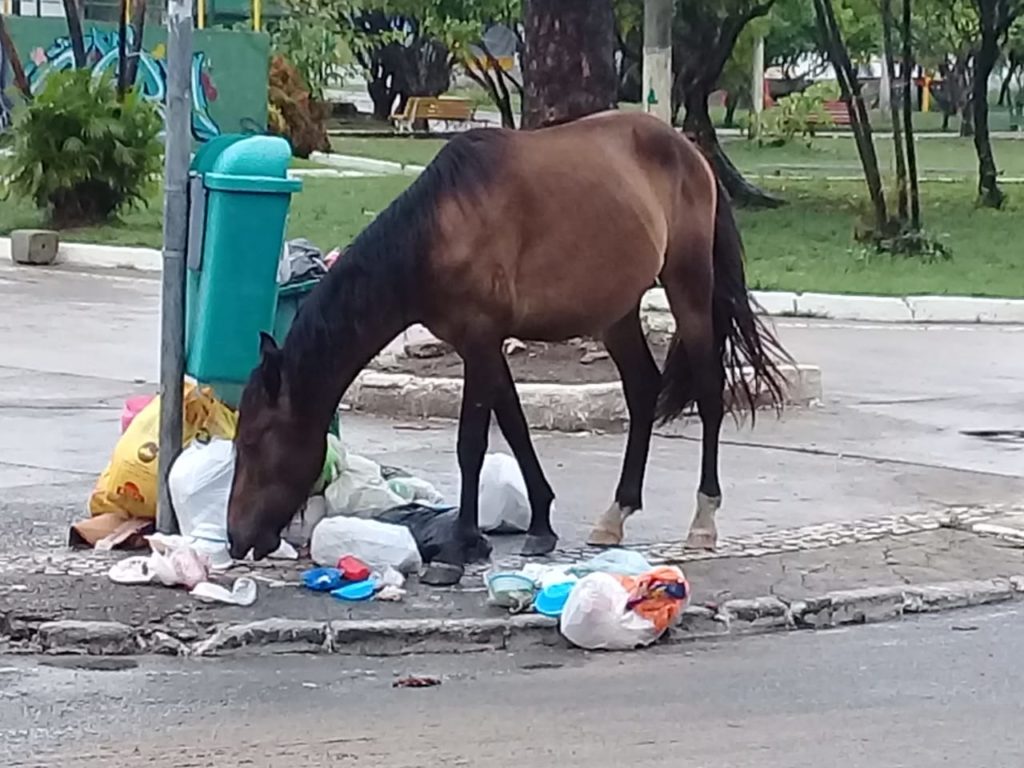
776 302
881 309
100 638
961 309
34 246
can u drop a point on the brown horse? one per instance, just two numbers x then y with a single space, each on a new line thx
544 235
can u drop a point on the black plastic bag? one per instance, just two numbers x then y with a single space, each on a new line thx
436 531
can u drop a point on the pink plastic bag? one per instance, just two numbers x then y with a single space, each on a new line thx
132 407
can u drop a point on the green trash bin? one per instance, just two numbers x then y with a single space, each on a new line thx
239 193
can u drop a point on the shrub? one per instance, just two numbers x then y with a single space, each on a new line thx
79 153
799 114
293 113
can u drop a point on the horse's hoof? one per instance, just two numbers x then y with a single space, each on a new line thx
602 537
442 574
537 545
702 539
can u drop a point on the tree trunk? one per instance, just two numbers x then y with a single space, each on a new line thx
989 193
902 184
569 61
731 102
698 127
138 27
122 49
908 117
10 53
493 79
860 124
73 12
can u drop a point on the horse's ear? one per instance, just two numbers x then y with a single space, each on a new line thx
270 366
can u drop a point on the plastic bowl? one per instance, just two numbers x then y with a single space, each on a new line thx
510 589
356 591
551 600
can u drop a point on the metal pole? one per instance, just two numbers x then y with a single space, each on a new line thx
178 144
657 77
757 87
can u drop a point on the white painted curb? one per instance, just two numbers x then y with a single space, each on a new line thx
826 306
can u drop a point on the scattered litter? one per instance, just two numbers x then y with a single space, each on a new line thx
322 579
377 544
512 346
416 682
551 600
547 575
353 569
310 685
435 531
133 406
391 594
624 562
109 531
511 590
242 592
504 502
606 612
355 592
300 261
389 578
171 563
128 484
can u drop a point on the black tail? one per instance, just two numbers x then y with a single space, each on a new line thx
747 347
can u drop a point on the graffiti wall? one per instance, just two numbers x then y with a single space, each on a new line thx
229 70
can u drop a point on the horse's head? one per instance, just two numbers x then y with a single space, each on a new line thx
278 456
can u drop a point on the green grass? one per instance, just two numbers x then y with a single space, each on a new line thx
400 150
953 157
329 212
808 244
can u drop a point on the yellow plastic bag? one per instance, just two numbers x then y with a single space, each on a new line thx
129 482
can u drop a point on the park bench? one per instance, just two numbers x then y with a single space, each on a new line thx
838 112
447 109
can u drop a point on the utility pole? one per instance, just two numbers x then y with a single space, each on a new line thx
177 149
757 87
657 77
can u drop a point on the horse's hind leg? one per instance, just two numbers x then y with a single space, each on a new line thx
540 538
694 370
640 383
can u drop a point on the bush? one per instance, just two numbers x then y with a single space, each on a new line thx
293 113
79 153
799 114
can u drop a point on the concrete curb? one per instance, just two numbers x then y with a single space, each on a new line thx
366 164
734 618
879 309
549 406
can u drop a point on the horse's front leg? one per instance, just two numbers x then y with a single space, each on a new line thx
481 382
540 538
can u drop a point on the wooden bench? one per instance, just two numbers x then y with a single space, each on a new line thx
838 112
449 109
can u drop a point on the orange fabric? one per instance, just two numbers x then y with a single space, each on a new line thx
661 609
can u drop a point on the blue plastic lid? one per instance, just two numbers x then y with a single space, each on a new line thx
359 590
551 599
322 579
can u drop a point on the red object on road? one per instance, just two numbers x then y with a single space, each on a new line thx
353 569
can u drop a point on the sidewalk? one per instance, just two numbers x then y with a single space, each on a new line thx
877 570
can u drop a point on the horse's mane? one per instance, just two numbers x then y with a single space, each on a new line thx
379 278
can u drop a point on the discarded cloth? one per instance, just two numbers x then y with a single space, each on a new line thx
129 482
113 530
300 261
172 563
607 612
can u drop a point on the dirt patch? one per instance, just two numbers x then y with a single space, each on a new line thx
572 362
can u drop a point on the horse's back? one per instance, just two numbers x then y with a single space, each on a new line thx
574 223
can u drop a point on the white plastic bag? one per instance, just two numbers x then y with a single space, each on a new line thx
200 485
504 502
595 617
359 490
377 544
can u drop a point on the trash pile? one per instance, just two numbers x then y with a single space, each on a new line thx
616 601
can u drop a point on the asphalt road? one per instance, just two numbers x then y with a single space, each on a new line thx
917 694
